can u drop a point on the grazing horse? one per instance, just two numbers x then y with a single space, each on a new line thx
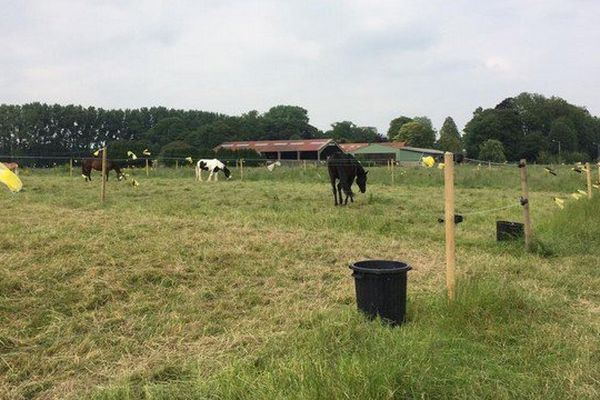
12 166
344 167
88 164
213 166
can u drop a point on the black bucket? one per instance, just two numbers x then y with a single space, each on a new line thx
507 230
381 289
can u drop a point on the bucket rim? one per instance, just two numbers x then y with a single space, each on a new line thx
402 267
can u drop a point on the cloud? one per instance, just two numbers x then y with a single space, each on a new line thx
365 61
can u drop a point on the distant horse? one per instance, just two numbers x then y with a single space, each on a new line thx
213 166
12 166
344 168
88 164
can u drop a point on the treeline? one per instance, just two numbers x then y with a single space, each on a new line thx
531 126
38 129
528 126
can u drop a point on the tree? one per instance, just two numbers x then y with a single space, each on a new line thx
347 131
416 134
176 149
562 131
166 131
449 137
395 126
492 150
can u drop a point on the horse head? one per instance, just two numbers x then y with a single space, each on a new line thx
227 172
361 180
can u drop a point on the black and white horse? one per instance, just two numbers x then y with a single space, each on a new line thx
213 166
345 168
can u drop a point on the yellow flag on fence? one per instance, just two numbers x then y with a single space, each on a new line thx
189 159
428 161
132 155
583 192
576 196
10 179
146 152
441 165
559 202
96 153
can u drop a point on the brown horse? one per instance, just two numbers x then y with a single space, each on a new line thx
12 166
88 164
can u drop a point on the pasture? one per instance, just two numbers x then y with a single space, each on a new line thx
241 290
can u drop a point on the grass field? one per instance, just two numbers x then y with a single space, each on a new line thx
241 290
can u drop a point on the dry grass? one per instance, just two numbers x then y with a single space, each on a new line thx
175 289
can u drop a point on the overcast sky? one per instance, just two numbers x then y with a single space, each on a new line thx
363 61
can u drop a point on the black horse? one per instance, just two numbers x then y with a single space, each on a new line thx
344 168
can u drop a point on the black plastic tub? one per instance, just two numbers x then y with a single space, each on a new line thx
381 289
507 230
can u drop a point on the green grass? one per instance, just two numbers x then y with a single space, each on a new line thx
241 290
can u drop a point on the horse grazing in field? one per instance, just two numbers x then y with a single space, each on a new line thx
345 168
88 164
213 166
12 166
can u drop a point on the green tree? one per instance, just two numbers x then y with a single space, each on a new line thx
562 131
395 126
167 130
492 150
416 134
449 137
177 149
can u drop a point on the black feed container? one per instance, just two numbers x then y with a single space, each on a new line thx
507 230
381 289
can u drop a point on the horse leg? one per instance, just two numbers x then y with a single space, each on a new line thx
339 188
216 176
335 201
210 176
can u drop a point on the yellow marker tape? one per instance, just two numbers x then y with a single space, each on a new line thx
441 165
134 183
189 159
576 196
583 192
559 202
97 152
146 152
10 179
428 161
132 155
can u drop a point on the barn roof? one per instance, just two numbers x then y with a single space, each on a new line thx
268 146
351 147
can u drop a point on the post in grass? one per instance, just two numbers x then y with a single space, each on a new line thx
242 169
147 167
525 202
71 167
103 185
588 173
392 166
449 224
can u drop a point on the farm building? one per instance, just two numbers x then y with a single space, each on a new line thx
378 152
381 152
307 149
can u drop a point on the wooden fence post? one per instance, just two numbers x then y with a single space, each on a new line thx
588 172
71 167
525 202
392 166
449 223
147 168
103 186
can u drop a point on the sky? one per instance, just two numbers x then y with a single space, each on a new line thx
362 61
